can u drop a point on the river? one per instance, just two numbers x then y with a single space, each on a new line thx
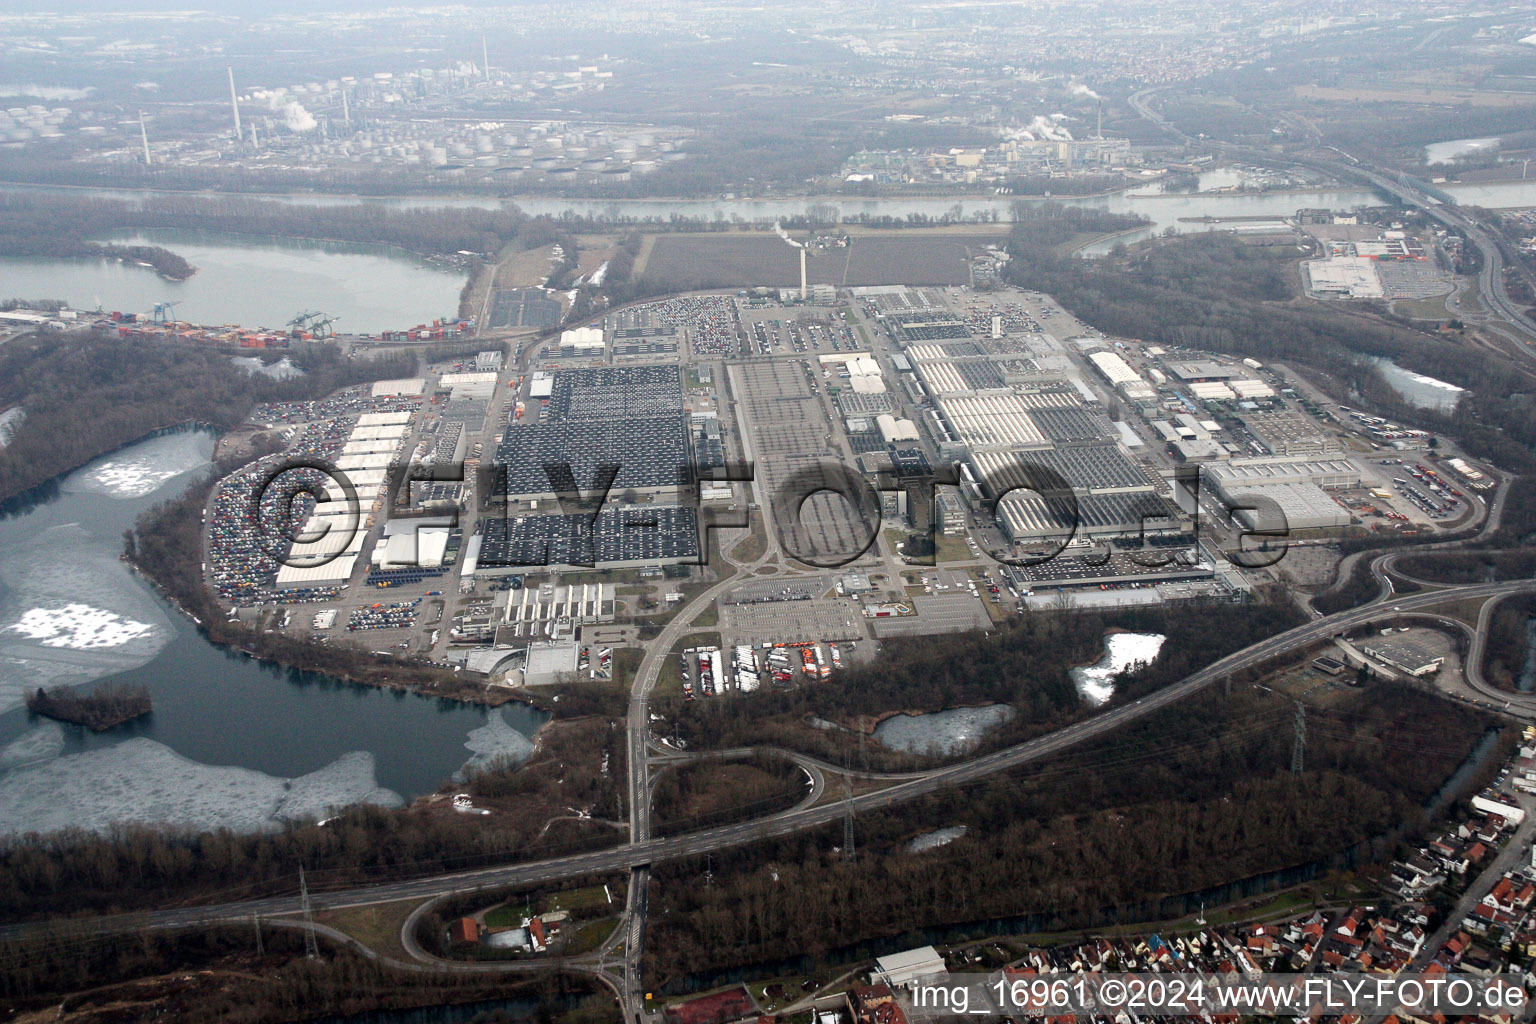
254 282
1177 210
231 742
265 282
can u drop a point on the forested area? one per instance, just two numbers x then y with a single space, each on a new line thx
1194 797
1469 566
68 873
712 792
217 975
1025 665
1509 648
1358 588
85 395
1215 293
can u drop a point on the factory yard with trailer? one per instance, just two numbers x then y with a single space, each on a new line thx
572 498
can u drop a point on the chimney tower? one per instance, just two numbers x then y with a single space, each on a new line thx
234 104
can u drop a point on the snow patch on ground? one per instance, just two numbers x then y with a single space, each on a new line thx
935 839
1121 651
280 370
10 420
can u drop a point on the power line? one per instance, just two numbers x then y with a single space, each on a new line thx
311 950
1299 745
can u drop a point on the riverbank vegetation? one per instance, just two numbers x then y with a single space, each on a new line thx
1026 664
1194 802
85 395
105 707
43 224
534 814
220 975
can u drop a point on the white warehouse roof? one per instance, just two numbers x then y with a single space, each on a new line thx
893 429
404 386
1115 369
866 384
582 337
337 571
379 419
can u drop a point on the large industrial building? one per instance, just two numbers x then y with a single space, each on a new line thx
1333 474
1301 506
1296 487
616 536
630 417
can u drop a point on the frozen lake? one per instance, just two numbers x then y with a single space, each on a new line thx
1445 152
1096 682
942 733
231 743
1420 390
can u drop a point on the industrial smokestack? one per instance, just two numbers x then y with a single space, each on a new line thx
346 112
485 60
1100 134
804 291
144 134
234 103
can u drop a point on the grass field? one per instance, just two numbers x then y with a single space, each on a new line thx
376 926
1421 309
1411 94
576 899
504 916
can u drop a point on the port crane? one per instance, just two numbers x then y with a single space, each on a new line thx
164 312
313 321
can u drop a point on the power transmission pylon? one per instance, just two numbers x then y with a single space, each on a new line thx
311 950
1299 746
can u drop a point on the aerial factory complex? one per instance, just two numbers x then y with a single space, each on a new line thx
596 480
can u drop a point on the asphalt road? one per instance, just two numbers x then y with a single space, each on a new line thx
653 850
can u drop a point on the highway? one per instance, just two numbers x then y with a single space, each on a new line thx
649 850
1490 281
618 962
